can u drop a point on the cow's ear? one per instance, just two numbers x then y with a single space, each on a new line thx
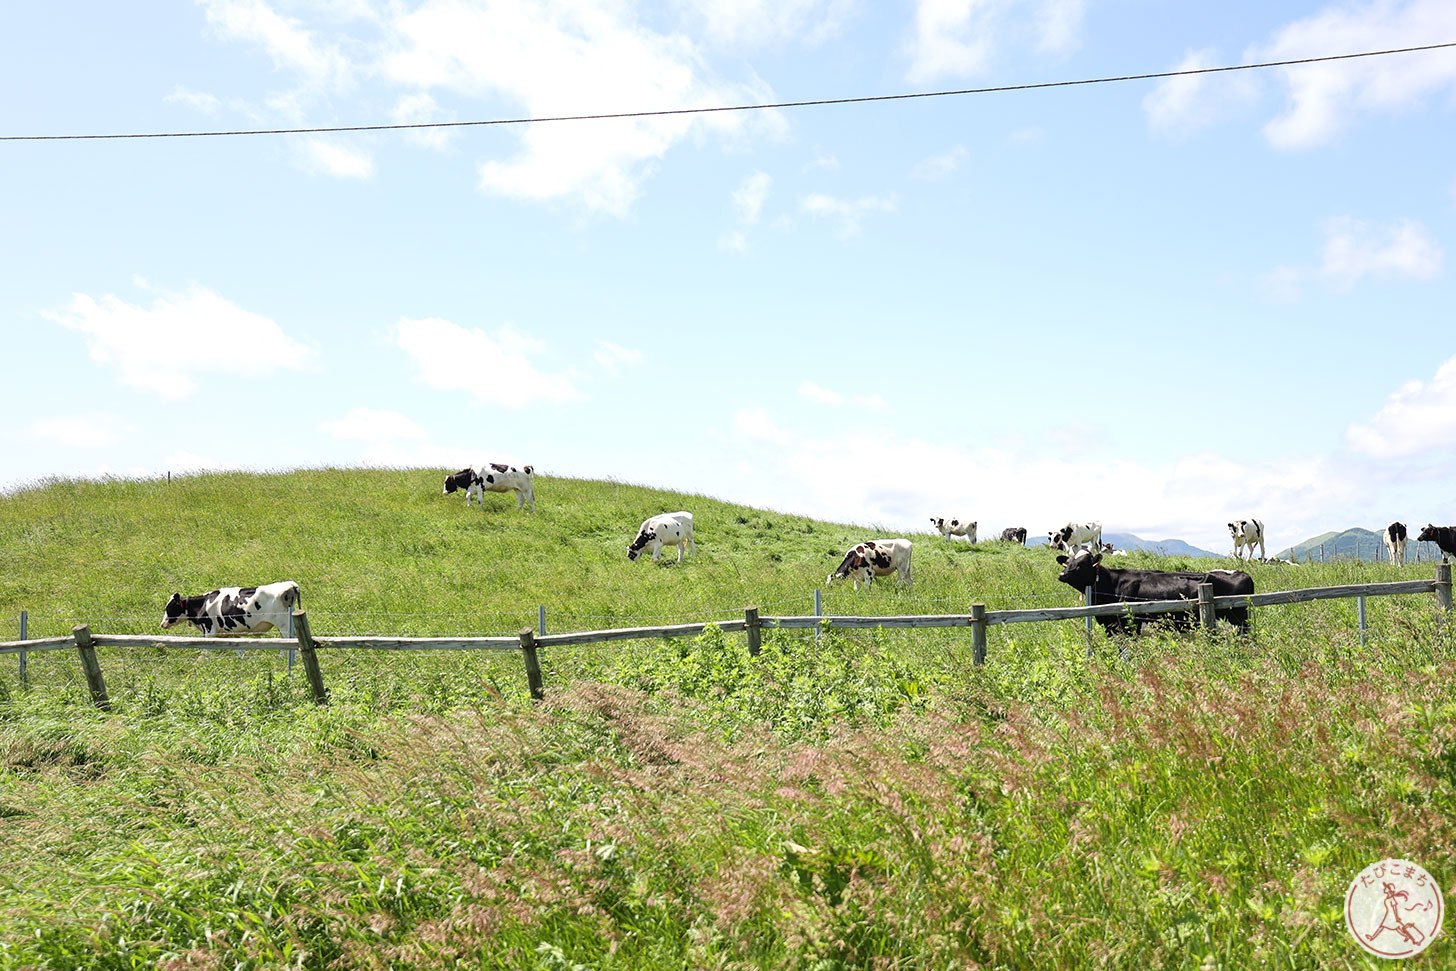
1062 559
1097 559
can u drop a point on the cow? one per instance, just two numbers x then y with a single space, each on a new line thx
668 529
1395 540
1014 534
1442 536
236 610
1074 534
495 477
1084 569
875 558
1247 533
955 527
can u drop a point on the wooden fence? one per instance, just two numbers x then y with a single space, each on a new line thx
528 642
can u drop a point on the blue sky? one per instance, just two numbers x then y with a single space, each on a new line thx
1158 304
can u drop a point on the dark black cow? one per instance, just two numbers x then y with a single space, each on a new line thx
1084 569
1442 536
1014 534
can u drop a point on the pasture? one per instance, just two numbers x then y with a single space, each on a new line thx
861 800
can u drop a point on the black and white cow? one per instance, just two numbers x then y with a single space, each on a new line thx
495 477
955 527
875 558
1014 534
1442 536
236 610
668 529
1395 540
1075 534
1247 533
1084 569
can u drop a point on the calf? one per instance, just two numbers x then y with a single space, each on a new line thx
875 558
1074 534
668 529
954 527
1014 534
1442 536
495 477
1084 569
236 610
1395 540
1247 533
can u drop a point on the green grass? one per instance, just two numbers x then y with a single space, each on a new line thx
869 799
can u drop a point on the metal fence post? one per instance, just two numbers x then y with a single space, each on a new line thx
1360 612
541 621
24 671
1087 599
818 613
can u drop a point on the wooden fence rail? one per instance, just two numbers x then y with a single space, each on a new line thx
528 642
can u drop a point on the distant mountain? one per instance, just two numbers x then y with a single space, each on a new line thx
1356 544
1127 541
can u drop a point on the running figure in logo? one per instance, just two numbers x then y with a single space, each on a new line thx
1390 919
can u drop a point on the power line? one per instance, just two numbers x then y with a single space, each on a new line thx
998 89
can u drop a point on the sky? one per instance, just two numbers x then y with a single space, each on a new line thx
1159 304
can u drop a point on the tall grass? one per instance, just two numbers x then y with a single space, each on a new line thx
865 799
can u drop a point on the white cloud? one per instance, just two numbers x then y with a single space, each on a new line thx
340 161
755 425
824 396
165 348
760 22
370 425
748 198
494 369
1354 250
569 58
940 166
1419 417
77 431
291 46
1181 106
849 213
614 357
421 109
197 100
1325 98
957 38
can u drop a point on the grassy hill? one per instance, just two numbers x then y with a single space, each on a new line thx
1357 544
859 799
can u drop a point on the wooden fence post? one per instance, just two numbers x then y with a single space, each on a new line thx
91 667
755 633
978 634
24 671
1443 585
306 651
1206 615
533 664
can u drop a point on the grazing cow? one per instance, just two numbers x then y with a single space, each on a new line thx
236 610
1084 569
875 558
954 527
1075 534
495 477
1395 539
1247 533
1442 536
1014 534
668 529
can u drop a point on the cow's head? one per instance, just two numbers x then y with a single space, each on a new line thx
938 523
1079 571
855 561
460 480
635 549
1428 535
174 611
